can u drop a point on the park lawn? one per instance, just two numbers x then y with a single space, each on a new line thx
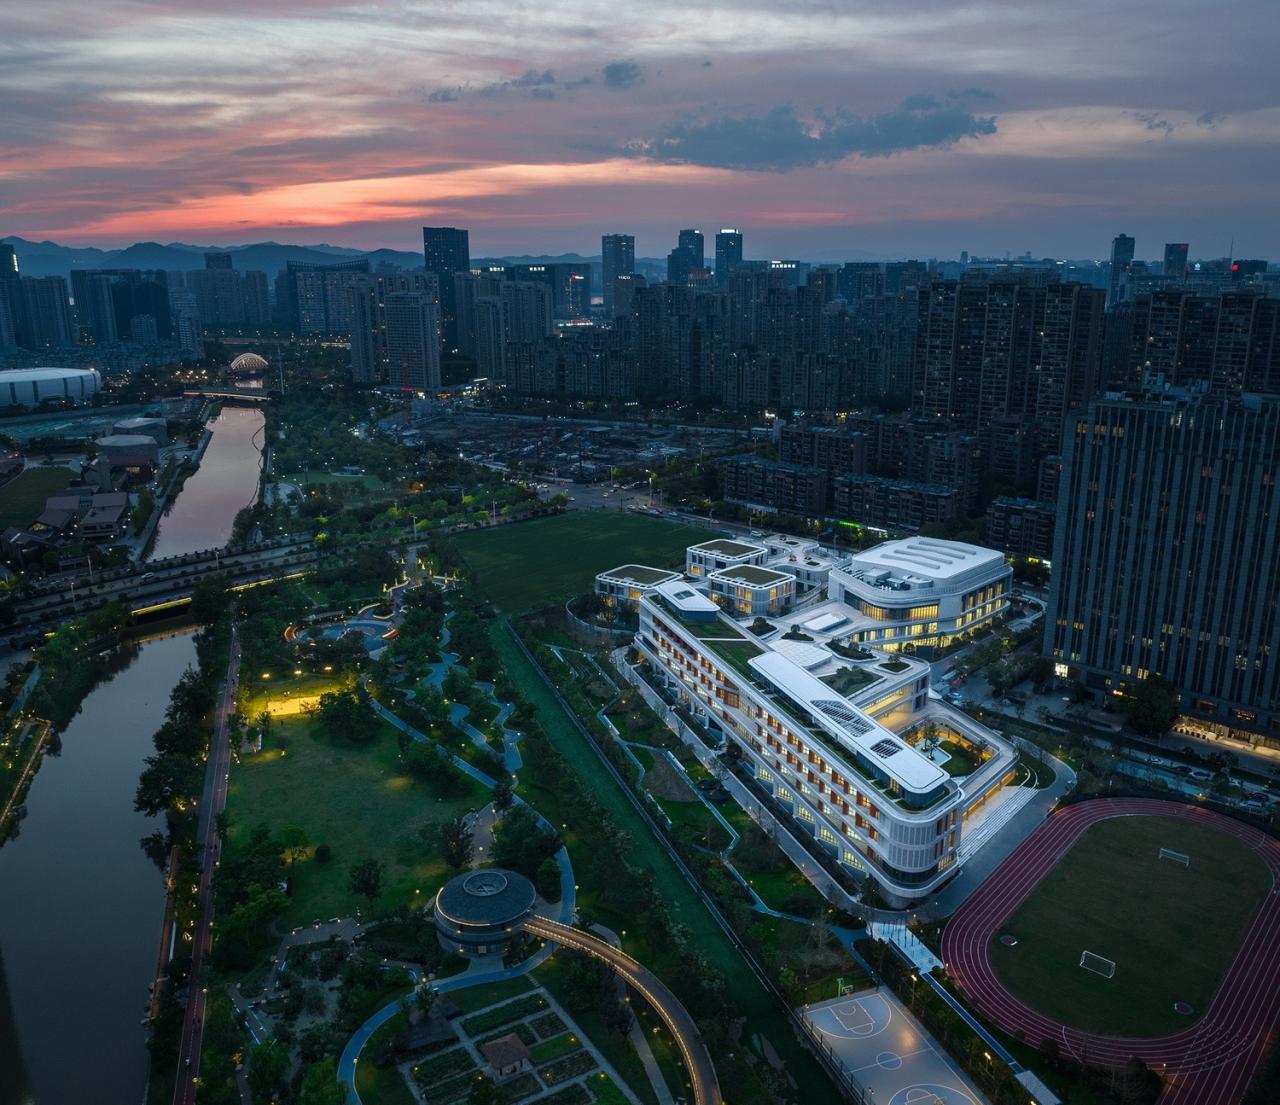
787 891
762 1013
728 807
1171 930
472 998
22 498
382 1085
534 564
692 821
287 696
353 797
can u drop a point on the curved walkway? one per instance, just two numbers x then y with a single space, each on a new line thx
1207 1063
697 1059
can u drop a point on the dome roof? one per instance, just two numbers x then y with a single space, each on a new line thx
249 364
489 896
22 375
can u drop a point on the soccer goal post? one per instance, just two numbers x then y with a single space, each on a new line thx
1097 964
1177 857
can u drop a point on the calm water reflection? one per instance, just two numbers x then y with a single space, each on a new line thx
226 481
80 905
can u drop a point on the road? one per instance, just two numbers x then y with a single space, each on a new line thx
697 1059
160 582
215 798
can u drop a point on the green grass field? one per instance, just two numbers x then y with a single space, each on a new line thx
352 796
383 1085
535 564
22 498
1171 930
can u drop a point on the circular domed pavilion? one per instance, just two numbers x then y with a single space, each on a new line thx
478 913
248 364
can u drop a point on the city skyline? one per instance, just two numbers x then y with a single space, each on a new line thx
864 133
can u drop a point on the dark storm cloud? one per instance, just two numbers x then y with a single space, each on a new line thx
622 74
780 139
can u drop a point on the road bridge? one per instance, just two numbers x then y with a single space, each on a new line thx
251 395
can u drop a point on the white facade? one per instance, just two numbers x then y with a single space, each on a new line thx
627 584
751 591
29 387
710 556
827 738
921 591
803 558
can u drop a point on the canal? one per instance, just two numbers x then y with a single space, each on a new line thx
80 904
225 482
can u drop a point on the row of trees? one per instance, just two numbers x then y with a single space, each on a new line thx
169 785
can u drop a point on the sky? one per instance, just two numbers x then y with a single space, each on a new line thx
823 128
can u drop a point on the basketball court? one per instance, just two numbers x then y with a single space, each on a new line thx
888 1053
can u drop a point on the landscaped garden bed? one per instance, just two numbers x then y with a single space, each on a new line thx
580 1062
504 1014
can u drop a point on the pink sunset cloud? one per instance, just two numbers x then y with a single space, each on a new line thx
820 128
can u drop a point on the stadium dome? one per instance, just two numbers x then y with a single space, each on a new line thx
29 387
248 364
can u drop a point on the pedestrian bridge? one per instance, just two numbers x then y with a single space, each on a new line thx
697 1059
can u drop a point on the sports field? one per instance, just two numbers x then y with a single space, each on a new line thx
22 498
1171 930
530 565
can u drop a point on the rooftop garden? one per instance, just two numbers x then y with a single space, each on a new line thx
639 573
847 680
850 651
727 548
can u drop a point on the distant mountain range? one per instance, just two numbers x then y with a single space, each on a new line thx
52 259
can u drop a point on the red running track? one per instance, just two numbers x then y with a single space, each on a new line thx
1208 1063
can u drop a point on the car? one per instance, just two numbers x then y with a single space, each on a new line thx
147 578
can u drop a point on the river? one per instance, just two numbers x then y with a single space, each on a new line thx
80 904
225 482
